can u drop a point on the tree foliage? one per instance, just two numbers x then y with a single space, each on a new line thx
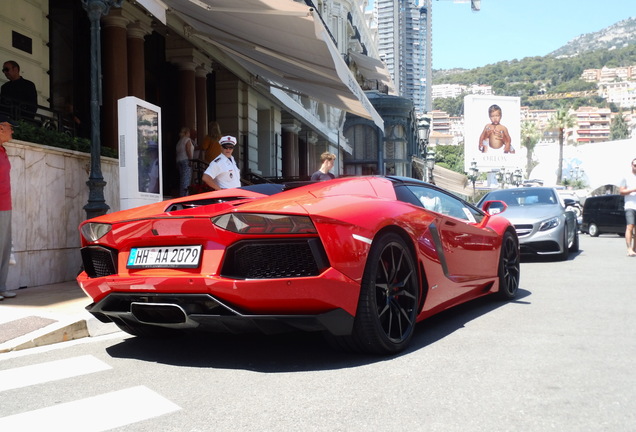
618 128
450 156
534 76
30 132
560 121
453 106
530 136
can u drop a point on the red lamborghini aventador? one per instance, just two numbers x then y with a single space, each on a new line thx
361 259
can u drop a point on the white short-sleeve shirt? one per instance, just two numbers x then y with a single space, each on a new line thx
629 182
224 172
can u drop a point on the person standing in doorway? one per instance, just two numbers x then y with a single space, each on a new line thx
185 152
327 159
223 173
628 190
6 134
210 147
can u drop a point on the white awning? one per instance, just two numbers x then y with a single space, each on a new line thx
331 134
282 42
373 69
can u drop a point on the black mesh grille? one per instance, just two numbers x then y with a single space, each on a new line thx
99 261
541 246
274 259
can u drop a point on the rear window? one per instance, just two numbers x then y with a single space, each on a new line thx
608 202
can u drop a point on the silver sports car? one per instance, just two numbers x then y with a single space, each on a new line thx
545 224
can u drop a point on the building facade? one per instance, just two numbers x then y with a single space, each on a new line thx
440 91
282 82
405 44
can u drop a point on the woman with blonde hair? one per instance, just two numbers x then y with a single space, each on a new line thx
185 152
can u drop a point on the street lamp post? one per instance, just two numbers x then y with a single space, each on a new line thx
474 173
504 177
516 177
501 177
430 165
423 133
578 175
96 205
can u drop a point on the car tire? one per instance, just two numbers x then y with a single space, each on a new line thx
593 230
575 242
562 256
509 267
388 303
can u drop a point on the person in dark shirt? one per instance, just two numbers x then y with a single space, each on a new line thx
327 159
18 92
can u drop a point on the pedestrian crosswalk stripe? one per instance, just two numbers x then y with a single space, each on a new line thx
93 414
50 371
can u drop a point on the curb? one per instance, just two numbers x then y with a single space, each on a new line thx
59 332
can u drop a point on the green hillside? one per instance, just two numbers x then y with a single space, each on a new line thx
537 75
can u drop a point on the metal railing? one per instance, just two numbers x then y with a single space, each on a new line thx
44 116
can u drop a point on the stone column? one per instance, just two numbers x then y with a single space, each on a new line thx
187 60
312 162
114 73
136 65
187 93
291 163
201 87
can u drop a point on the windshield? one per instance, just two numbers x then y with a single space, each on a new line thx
525 197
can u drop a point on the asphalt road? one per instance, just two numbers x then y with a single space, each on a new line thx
560 357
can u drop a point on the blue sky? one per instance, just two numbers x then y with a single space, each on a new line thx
514 29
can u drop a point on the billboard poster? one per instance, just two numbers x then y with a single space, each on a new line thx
492 132
148 150
140 170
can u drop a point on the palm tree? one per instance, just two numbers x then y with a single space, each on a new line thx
618 128
560 121
530 136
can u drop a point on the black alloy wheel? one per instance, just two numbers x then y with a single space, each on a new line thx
509 267
389 295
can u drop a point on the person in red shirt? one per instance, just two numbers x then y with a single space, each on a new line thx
6 134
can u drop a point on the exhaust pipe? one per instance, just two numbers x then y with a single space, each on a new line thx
158 313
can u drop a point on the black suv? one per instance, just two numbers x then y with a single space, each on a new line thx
604 214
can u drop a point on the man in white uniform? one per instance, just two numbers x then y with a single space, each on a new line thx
628 190
222 173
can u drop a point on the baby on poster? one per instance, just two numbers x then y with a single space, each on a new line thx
495 136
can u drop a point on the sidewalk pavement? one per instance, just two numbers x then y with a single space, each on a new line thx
47 314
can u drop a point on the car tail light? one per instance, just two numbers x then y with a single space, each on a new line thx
254 223
94 231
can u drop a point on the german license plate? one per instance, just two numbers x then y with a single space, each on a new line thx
165 257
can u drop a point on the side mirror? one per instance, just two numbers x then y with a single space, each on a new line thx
569 202
494 207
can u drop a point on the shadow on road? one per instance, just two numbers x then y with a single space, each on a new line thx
290 352
549 258
449 321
